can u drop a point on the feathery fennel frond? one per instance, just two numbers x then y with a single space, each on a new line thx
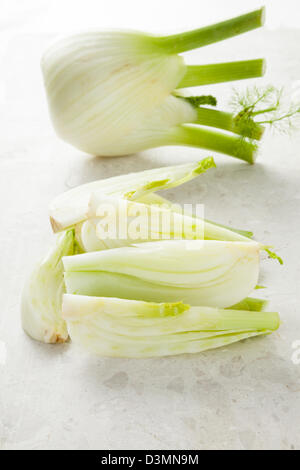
265 106
273 255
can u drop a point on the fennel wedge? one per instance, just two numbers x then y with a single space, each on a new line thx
42 294
197 272
127 328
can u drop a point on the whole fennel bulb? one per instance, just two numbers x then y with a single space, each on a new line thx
116 92
74 214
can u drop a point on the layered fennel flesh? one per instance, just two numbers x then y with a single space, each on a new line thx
129 328
42 294
112 93
182 288
197 272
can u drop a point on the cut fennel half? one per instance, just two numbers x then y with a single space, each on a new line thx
197 272
42 294
128 328
158 200
72 206
113 221
116 222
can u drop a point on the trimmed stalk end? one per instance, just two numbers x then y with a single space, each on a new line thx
254 155
263 67
56 227
262 15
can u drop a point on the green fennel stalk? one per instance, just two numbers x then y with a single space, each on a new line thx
182 42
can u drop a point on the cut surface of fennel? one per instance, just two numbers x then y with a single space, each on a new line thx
130 328
72 206
197 272
116 222
42 294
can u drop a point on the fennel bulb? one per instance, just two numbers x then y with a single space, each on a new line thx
130 328
211 274
42 294
118 222
216 272
116 92
198 272
73 206
78 207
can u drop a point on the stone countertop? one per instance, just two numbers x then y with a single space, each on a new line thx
246 396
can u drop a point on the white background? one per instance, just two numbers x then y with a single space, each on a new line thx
156 16
245 396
